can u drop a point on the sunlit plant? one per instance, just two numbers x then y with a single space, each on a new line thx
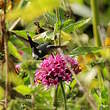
53 70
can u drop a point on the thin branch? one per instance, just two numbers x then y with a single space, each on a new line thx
5 36
2 41
6 75
14 24
58 20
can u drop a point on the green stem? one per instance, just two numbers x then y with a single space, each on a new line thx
32 95
94 6
58 20
55 98
100 79
95 20
64 96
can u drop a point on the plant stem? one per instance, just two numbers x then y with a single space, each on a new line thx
94 6
64 96
55 98
33 95
6 75
2 43
95 20
58 20
5 41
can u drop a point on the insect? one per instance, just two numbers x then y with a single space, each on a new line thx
40 50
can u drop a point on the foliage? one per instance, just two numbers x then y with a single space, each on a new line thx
68 25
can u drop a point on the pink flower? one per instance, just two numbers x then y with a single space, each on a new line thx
74 64
17 68
21 52
53 70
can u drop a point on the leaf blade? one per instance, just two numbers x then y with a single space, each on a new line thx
24 90
13 51
85 50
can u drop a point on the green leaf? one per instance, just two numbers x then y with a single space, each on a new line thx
44 37
19 104
13 51
23 3
17 42
14 105
65 36
57 26
85 50
1 93
70 26
73 83
13 78
81 23
77 1
23 33
24 90
48 20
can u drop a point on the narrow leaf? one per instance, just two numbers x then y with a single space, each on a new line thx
24 90
13 51
65 36
70 26
85 50
23 33
81 23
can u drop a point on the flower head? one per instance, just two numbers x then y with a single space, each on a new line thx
54 69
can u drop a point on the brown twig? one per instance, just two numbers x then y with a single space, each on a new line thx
6 61
2 42
5 42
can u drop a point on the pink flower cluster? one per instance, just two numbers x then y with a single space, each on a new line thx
54 69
